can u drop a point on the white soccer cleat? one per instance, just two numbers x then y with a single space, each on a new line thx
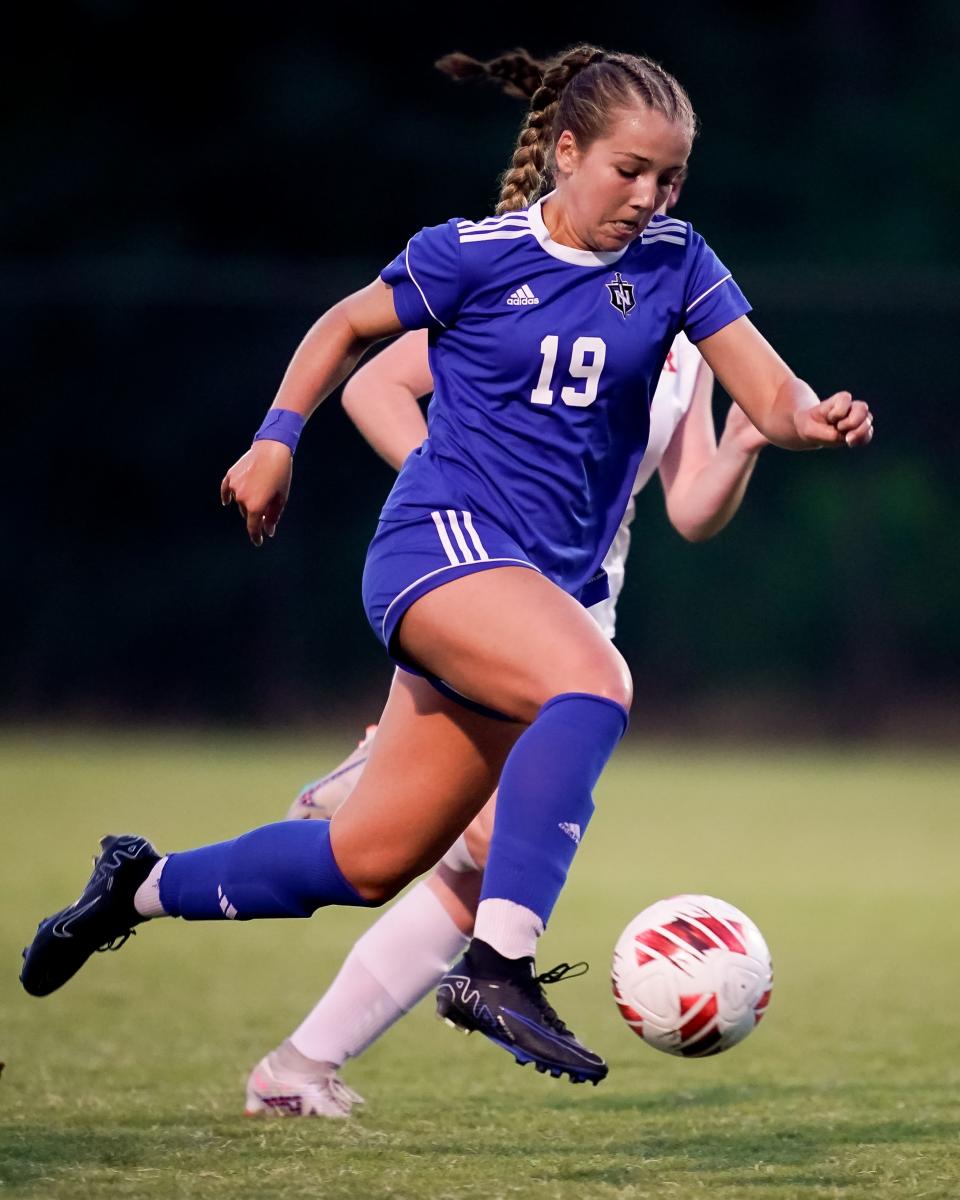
324 1094
321 799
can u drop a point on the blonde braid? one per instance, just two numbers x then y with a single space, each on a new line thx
529 170
518 73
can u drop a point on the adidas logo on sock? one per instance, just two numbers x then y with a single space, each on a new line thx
572 830
225 906
523 295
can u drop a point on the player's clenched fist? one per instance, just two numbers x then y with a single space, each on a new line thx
260 483
838 421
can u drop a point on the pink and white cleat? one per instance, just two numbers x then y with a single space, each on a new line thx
321 799
319 1092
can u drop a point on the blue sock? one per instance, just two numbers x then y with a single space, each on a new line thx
544 802
282 870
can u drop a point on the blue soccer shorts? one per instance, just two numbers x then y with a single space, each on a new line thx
409 558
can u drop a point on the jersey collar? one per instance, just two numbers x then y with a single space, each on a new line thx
569 254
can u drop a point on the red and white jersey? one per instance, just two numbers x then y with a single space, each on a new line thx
671 400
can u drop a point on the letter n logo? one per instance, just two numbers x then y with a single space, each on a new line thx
621 295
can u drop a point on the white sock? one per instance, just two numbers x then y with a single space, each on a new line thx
146 899
511 929
390 968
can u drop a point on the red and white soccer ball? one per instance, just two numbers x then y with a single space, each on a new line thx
692 975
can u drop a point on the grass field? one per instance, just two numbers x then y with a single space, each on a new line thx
129 1082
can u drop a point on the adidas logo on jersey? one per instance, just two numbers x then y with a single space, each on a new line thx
522 295
572 830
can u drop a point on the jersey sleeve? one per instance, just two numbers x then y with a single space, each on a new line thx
425 278
711 298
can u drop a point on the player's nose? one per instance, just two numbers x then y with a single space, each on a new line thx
644 194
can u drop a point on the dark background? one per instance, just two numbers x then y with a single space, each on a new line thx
186 187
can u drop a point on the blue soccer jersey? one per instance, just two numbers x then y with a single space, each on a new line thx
545 359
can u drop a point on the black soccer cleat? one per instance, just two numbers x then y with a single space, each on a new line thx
503 999
101 919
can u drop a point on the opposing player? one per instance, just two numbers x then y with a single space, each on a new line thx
490 544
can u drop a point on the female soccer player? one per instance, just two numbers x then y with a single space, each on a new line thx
406 952
548 329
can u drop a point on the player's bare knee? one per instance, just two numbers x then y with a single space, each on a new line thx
618 687
618 690
609 678
377 892
377 877
618 682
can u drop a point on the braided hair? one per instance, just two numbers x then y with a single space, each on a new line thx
517 72
578 90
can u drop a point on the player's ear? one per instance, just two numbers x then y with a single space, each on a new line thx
566 153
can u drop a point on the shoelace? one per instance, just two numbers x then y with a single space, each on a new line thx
342 1093
118 940
563 971
555 975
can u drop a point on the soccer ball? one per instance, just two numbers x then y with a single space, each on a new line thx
692 975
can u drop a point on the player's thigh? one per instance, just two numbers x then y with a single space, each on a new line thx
432 767
511 639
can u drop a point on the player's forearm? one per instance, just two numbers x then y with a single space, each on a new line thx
326 356
778 423
710 500
388 416
762 384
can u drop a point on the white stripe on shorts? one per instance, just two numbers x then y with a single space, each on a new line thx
458 534
474 536
445 539
457 540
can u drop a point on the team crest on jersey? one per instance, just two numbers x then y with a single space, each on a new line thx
621 295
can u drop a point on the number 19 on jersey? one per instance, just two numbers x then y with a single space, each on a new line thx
586 362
